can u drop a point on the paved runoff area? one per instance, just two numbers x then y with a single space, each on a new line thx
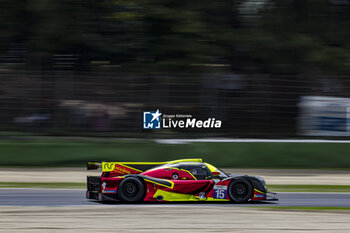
168 219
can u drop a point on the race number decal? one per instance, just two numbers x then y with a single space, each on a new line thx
220 192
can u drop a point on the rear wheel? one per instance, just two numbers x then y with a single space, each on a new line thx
131 190
240 190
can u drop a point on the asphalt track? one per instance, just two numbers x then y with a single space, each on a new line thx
76 197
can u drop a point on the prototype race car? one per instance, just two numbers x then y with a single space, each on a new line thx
179 180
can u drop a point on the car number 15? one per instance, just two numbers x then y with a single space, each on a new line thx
220 192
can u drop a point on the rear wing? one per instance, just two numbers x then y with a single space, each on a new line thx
123 168
93 165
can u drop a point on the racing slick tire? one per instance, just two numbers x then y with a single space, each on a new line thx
240 190
131 190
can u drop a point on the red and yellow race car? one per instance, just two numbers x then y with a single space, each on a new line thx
179 180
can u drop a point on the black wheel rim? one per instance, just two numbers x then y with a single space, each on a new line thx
130 189
240 190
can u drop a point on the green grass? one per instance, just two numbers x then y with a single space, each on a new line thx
75 152
309 188
42 185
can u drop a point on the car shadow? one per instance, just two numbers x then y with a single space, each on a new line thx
253 203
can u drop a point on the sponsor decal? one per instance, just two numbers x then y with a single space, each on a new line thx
113 166
202 195
259 195
223 187
121 170
104 185
158 120
109 191
220 192
108 167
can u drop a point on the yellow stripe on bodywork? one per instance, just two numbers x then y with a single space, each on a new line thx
170 196
141 163
185 160
167 186
159 163
109 166
212 199
211 167
259 191
122 164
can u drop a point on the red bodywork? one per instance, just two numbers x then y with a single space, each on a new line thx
161 185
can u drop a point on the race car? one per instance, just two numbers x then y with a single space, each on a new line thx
178 180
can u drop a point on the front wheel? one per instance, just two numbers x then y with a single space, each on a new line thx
240 190
131 190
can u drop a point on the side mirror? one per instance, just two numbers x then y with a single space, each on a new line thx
216 173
